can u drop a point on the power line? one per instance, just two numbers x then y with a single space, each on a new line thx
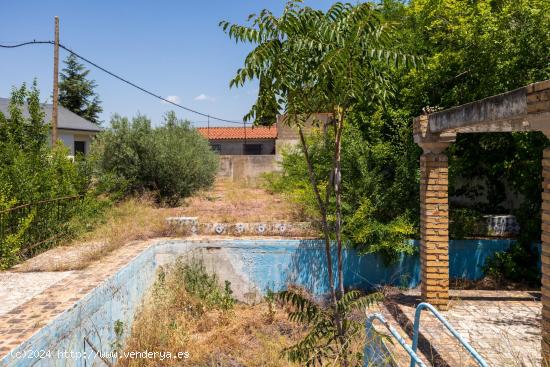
124 80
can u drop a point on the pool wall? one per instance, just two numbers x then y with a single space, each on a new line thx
252 266
272 264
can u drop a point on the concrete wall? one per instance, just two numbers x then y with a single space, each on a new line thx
246 167
235 147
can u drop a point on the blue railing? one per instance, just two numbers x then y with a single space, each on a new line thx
416 331
376 354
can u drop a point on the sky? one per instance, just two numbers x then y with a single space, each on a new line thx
173 48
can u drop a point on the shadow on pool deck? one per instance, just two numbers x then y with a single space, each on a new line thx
503 326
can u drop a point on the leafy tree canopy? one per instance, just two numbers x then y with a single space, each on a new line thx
77 92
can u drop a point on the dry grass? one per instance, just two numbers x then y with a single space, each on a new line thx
172 320
140 219
132 220
230 202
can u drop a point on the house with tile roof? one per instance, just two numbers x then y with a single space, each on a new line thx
74 131
260 140
256 140
247 153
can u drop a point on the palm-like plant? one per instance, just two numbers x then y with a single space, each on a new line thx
310 61
326 342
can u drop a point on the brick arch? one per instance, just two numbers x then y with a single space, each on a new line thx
523 109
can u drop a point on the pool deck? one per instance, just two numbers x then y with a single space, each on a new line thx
38 302
503 326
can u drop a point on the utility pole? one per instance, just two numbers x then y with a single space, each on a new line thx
55 97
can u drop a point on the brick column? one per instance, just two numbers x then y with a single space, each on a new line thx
434 228
546 258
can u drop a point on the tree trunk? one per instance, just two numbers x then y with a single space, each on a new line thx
323 210
338 194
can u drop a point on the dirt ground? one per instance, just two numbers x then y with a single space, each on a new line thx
230 202
140 219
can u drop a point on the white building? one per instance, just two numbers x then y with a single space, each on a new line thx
75 132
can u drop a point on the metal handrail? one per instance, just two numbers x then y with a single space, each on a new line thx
455 333
377 316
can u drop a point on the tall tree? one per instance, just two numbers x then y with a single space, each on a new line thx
309 61
77 92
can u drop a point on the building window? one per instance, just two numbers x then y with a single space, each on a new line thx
252 149
216 148
79 147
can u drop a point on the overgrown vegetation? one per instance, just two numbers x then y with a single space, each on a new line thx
372 199
467 51
172 160
132 219
61 198
308 61
472 51
240 202
324 342
32 171
190 311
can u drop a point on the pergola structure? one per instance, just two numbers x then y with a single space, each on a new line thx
523 109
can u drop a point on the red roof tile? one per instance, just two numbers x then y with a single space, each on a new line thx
223 133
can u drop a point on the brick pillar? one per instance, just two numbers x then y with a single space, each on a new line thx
546 258
434 228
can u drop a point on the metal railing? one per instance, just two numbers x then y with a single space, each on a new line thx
374 353
416 331
39 224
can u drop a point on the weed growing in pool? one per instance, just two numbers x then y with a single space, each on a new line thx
190 310
191 286
324 344
199 283
118 328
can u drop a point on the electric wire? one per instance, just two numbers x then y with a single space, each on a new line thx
124 80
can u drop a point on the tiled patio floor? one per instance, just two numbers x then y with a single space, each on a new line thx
46 295
503 326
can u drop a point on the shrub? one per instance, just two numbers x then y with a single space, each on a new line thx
516 265
377 190
31 170
467 222
172 160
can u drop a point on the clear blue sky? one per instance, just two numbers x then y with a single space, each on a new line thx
174 48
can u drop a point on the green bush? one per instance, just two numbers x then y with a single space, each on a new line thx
517 264
465 222
172 160
379 186
31 171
